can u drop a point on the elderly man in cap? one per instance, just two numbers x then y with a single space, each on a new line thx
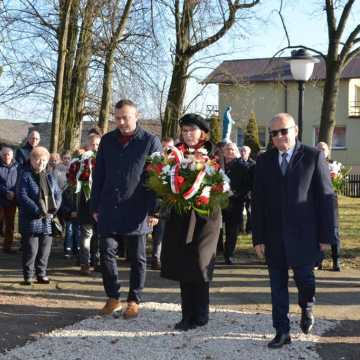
121 204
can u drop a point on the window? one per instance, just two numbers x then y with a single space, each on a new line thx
240 137
262 136
339 137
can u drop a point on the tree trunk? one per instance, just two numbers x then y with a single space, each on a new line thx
79 77
63 35
328 110
108 68
106 92
69 64
175 99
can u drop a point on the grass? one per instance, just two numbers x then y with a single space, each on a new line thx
349 211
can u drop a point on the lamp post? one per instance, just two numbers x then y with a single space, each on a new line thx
301 66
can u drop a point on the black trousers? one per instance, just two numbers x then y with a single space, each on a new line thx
36 252
305 283
195 302
136 247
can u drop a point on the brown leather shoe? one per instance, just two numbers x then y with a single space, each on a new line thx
132 310
112 305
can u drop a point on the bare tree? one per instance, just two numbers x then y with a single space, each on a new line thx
63 31
192 36
80 75
341 50
117 33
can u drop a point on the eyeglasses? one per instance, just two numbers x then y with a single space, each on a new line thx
285 131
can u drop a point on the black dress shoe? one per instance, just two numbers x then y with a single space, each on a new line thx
43 280
307 321
279 341
229 261
27 282
201 320
336 265
184 325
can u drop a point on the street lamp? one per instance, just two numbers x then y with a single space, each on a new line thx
301 66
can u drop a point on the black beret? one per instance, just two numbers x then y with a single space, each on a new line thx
194 119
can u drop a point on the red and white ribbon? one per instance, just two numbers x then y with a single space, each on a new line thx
178 155
174 172
195 186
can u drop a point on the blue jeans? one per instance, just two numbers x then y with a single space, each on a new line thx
136 249
72 237
305 283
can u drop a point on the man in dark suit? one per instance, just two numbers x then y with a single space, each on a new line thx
245 152
122 205
293 219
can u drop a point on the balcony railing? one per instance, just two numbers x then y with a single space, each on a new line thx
354 108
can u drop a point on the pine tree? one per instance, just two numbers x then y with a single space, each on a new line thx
252 135
215 131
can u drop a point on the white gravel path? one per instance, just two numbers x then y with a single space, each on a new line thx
229 335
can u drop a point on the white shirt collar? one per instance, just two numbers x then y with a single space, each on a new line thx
289 154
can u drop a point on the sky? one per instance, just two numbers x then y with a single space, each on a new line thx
261 37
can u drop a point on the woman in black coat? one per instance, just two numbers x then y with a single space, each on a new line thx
39 198
190 240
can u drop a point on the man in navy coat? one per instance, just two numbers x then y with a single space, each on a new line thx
122 205
293 219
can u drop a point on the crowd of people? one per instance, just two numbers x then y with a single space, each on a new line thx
97 199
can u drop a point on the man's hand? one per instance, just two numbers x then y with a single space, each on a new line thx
95 216
152 221
260 251
324 247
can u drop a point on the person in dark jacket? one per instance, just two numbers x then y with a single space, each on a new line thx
122 205
245 152
335 248
190 241
22 155
68 211
39 198
240 185
8 179
293 219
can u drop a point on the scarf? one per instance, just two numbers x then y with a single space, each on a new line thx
46 198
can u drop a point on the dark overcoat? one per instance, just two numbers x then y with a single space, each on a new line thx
8 179
189 245
22 155
193 261
240 184
119 194
293 214
30 215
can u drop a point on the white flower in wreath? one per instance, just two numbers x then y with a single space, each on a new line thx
206 191
166 170
209 170
202 151
335 167
155 155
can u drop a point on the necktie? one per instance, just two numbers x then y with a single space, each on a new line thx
284 163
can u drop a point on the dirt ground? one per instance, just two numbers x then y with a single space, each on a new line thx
28 312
